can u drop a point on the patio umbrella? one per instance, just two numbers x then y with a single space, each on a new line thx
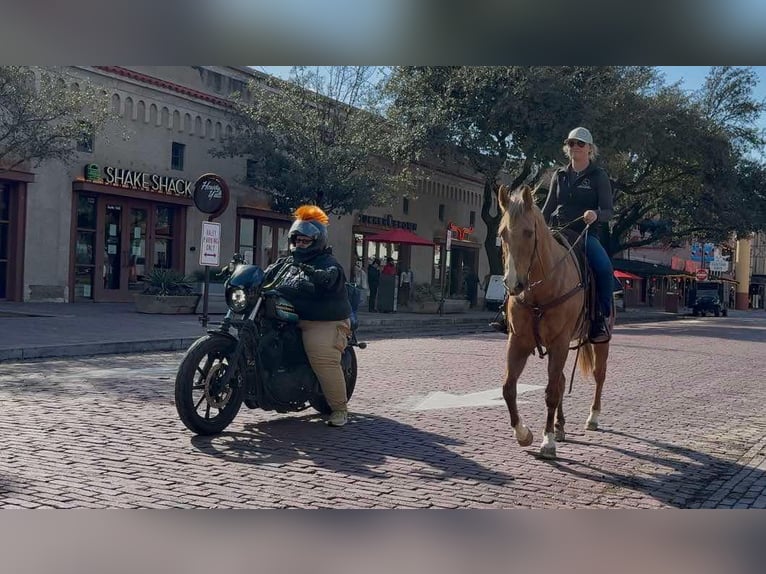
625 275
402 236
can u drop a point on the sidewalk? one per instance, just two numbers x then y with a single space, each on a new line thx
39 330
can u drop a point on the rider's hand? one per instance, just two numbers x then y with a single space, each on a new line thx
589 217
307 269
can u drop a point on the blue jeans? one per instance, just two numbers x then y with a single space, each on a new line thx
604 273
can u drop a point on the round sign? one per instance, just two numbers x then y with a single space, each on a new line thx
701 274
211 194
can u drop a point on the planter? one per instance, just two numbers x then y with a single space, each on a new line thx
424 307
165 304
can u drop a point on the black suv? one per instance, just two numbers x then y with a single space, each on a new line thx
707 299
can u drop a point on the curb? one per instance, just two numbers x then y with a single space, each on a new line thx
369 328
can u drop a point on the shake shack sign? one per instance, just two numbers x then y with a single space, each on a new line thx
211 194
140 180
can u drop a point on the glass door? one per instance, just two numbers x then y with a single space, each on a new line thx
122 236
112 275
137 229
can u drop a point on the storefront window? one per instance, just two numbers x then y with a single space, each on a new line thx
247 239
85 247
163 233
283 243
267 243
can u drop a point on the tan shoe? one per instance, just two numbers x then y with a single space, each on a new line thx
338 418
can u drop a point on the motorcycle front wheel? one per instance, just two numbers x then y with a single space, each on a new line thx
348 362
204 405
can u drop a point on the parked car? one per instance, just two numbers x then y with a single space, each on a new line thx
708 297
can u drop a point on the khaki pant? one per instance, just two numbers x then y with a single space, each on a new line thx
324 342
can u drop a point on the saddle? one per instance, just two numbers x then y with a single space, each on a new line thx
567 238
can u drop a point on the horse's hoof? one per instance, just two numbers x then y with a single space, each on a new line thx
548 452
591 425
526 441
560 435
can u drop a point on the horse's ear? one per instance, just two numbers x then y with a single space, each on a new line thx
528 197
503 197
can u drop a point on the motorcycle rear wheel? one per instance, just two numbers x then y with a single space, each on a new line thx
348 362
199 373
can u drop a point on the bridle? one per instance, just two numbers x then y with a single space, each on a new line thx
537 309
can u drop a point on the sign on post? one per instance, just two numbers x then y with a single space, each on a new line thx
210 245
701 274
719 265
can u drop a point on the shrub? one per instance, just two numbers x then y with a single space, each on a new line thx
167 282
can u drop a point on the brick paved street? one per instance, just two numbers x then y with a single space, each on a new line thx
683 425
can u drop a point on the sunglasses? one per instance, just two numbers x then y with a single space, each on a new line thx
302 241
578 143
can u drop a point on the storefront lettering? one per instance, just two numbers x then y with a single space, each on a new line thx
139 180
387 221
460 232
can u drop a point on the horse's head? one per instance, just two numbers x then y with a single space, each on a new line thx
518 232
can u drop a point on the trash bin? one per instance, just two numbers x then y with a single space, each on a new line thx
671 302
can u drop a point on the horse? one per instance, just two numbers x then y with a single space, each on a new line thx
545 309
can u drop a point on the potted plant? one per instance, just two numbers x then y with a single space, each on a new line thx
166 291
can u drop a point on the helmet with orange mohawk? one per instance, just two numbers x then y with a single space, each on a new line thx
310 221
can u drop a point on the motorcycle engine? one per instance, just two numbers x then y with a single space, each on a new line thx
289 381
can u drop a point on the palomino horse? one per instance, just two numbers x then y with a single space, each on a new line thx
545 310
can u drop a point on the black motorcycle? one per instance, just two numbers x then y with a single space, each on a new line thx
261 363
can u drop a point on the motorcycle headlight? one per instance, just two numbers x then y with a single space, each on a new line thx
236 299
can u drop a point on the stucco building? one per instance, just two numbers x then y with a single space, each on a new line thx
93 229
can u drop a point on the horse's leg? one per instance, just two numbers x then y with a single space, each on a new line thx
560 420
516 359
599 374
554 393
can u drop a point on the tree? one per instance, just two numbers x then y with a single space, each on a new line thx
505 120
317 139
42 115
675 160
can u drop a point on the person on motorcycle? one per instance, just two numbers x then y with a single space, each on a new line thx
316 286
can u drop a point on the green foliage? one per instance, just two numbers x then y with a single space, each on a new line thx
43 114
683 159
317 139
167 282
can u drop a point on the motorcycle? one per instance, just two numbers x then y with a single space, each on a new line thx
255 357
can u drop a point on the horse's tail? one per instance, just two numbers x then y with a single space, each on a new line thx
587 359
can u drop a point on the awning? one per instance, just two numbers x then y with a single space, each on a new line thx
625 275
402 236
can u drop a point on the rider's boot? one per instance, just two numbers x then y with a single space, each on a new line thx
599 330
500 323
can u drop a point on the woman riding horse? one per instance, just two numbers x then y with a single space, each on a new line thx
545 312
580 194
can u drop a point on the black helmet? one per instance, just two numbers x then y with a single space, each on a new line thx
311 222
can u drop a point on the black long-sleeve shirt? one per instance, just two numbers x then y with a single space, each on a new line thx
569 196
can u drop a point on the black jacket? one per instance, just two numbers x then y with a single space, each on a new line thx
316 286
569 197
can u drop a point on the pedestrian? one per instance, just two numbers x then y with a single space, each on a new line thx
373 281
315 284
389 268
579 195
406 281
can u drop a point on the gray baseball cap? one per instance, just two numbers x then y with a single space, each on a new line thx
581 134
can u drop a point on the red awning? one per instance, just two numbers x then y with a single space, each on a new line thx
402 236
625 275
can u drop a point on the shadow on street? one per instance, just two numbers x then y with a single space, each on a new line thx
693 478
364 444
